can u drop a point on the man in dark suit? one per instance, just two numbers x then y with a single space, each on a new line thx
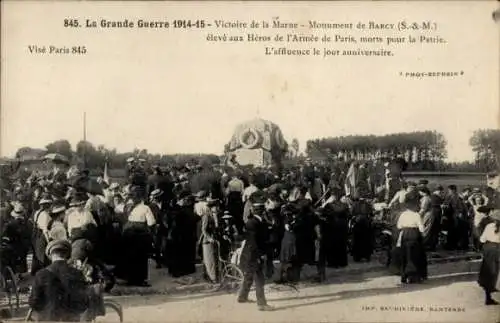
253 255
59 291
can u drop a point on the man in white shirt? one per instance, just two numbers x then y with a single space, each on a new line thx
79 220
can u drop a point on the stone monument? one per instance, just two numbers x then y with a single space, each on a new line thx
257 142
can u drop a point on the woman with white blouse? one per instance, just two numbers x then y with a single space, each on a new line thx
410 241
488 274
137 240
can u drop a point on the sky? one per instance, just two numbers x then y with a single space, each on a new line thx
172 91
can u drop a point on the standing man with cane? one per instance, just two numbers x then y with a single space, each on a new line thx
253 255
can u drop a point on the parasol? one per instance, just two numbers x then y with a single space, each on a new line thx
56 158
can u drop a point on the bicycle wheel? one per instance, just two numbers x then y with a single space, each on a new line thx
29 316
7 295
112 310
232 277
9 273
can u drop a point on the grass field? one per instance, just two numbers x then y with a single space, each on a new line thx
460 180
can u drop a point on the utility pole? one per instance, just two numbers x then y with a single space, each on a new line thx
85 139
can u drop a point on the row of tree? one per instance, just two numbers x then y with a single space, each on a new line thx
424 150
486 146
95 157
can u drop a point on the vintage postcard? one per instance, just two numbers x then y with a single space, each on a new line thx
224 161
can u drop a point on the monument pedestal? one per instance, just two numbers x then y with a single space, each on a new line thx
256 157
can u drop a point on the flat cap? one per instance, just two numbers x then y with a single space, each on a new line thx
62 245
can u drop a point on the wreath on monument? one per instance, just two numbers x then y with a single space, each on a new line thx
249 138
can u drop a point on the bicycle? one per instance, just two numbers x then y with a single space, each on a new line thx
230 275
108 304
9 287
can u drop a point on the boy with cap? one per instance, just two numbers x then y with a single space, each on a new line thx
59 291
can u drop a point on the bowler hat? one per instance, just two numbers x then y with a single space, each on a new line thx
60 245
423 182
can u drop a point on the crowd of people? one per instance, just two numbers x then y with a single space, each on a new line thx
313 215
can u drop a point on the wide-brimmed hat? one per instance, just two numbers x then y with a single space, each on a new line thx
62 245
157 192
46 199
130 159
227 215
114 186
58 209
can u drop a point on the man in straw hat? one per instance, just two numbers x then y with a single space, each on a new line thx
253 255
59 291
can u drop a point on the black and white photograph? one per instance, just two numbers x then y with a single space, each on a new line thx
219 161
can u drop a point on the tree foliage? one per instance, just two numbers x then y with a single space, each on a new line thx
62 147
486 146
424 149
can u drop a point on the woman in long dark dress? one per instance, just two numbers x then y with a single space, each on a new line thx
289 263
488 274
410 241
137 240
429 220
338 250
181 239
362 231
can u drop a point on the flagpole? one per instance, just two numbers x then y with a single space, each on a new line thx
85 139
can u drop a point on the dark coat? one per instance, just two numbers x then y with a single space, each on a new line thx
256 238
49 298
